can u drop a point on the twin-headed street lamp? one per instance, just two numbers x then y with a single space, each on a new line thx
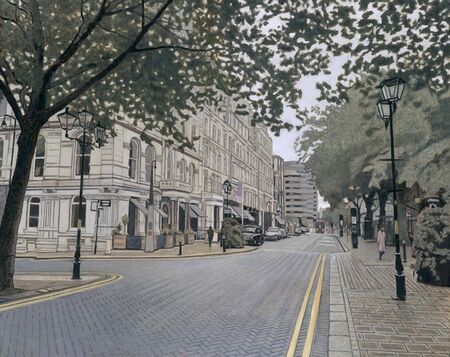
82 119
392 90
227 187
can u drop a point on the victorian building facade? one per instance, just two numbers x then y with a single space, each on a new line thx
187 184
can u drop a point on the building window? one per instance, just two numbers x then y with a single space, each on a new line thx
39 159
33 216
133 160
87 158
1 155
206 156
149 157
192 175
75 217
183 170
169 165
219 162
193 132
205 181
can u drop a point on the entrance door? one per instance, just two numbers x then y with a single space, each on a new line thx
133 216
181 217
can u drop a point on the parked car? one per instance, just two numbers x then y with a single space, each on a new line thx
253 235
273 233
305 229
283 232
298 231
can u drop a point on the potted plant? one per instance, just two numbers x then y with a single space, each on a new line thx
119 239
191 235
170 239
162 238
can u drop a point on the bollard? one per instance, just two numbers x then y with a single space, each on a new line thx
224 245
180 252
404 251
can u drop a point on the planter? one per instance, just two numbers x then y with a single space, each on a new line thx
191 237
161 241
134 242
169 241
119 241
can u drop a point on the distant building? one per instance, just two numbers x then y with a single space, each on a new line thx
278 190
301 194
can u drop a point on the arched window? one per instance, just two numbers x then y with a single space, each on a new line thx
193 132
33 214
1 155
219 162
205 181
87 158
169 165
133 160
211 183
39 158
149 158
182 176
75 217
192 175
213 162
225 165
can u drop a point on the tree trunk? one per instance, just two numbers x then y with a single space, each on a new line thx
13 207
368 218
382 199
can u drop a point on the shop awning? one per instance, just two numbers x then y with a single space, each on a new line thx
196 211
280 220
234 212
144 210
248 216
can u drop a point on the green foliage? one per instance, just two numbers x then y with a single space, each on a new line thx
233 233
432 243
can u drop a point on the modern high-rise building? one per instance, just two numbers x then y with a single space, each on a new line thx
278 190
300 192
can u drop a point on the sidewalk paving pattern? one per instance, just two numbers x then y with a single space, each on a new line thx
380 326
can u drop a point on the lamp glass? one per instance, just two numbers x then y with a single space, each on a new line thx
384 108
85 118
99 133
66 120
4 123
227 186
392 89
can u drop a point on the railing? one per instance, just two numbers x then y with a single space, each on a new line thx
175 185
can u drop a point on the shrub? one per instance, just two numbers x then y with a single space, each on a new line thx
432 244
233 233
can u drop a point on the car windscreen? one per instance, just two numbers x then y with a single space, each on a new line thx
249 229
273 230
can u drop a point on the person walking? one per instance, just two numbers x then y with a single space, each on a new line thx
210 235
381 242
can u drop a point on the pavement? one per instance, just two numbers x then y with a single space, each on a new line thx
309 295
370 322
196 249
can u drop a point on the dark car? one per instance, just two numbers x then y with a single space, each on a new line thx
253 235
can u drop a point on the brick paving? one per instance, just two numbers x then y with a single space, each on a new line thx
417 327
236 305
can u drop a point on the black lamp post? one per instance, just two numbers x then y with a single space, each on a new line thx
227 189
4 125
67 121
151 198
392 90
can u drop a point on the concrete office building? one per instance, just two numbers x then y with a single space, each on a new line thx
301 194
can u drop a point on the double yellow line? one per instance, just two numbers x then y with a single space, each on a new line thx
314 311
57 294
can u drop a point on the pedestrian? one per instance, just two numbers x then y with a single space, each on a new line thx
210 235
381 241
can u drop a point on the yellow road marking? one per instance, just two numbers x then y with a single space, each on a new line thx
301 314
57 294
314 313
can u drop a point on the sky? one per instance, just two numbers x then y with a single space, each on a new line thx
283 145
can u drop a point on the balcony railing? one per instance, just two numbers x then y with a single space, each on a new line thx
175 185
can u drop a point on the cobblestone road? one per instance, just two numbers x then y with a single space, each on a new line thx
242 305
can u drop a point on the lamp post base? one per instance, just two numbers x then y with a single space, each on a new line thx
76 270
400 286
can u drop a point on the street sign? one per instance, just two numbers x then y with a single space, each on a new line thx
105 203
227 210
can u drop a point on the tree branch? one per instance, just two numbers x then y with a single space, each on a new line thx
4 88
107 70
174 47
75 44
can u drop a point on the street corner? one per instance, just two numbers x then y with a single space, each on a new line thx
32 288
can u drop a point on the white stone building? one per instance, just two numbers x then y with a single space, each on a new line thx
187 185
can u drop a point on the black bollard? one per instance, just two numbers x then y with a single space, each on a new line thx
180 252
224 244
404 251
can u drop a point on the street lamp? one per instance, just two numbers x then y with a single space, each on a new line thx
227 189
68 120
4 125
392 90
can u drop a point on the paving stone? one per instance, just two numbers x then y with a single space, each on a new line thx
417 347
399 338
381 354
391 346
338 316
339 343
375 337
339 328
340 354
363 328
337 308
423 339
368 345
